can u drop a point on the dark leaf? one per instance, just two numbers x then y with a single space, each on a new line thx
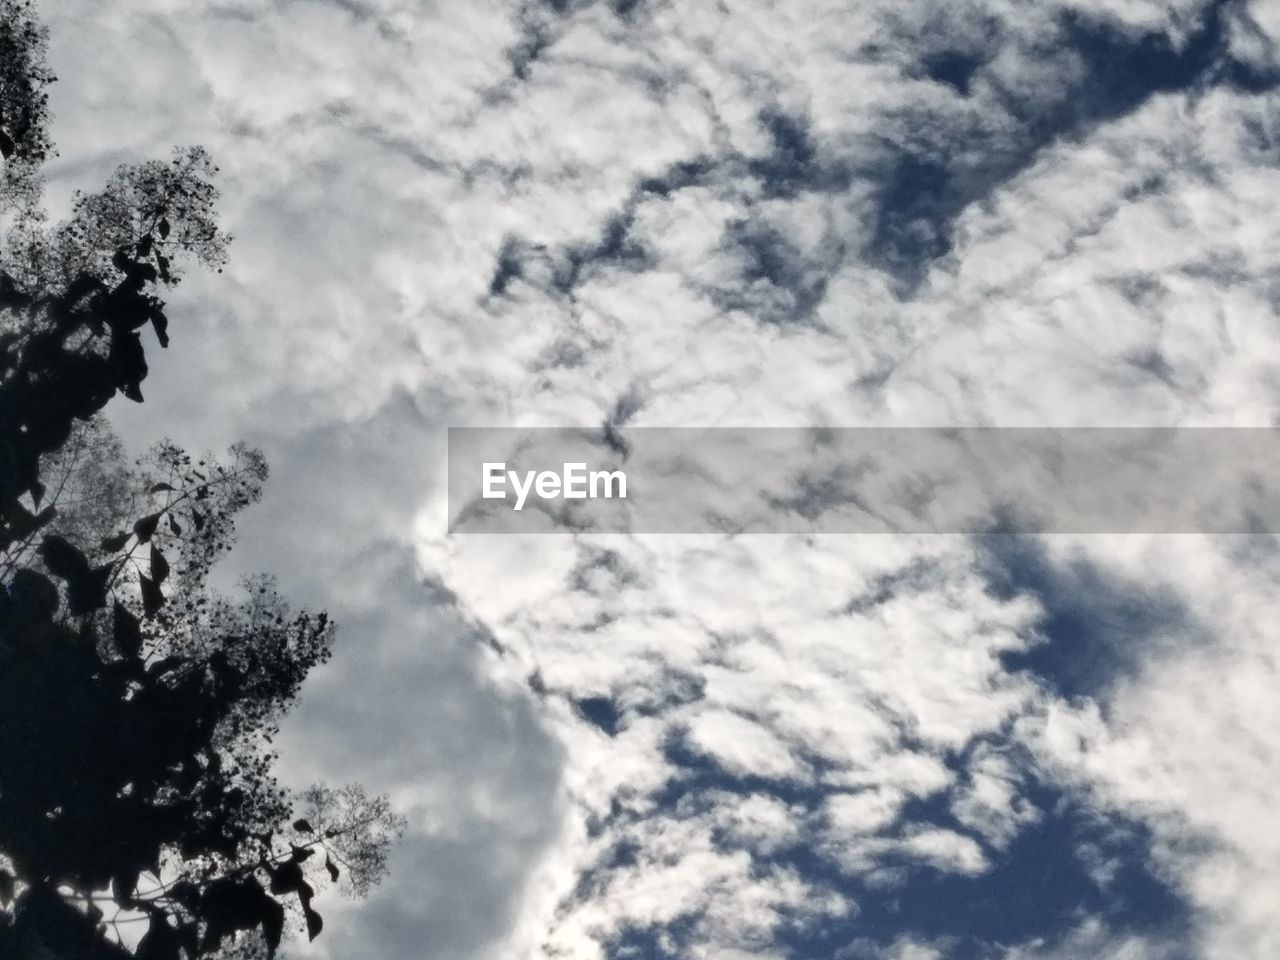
332 868
57 929
272 925
159 322
159 565
37 493
63 559
86 588
302 826
116 543
163 226
301 853
152 597
189 938
315 923
34 594
23 523
230 905
173 526
126 632
160 487
123 884
160 942
6 888
89 593
144 246
127 358
286 878
164 665
187 894
145 527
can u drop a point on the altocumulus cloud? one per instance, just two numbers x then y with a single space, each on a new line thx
694 214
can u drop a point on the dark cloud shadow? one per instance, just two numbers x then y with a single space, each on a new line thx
1069 863
1075 863
1098 629
923 190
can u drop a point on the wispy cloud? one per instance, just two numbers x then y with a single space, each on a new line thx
685 214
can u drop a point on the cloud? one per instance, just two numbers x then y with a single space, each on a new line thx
673 214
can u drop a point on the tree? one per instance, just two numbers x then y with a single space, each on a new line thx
137 706
24 105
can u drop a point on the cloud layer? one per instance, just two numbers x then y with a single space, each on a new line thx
674 214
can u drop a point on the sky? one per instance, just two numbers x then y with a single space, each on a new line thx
731 213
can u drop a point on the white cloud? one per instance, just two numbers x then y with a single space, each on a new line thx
377 160
990 801
741 746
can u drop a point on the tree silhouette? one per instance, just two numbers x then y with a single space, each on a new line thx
24 106
137 705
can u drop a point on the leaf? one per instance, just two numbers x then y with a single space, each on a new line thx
302 826
159 322
128 363
63 559
123 884
332 867
86 588
144 246
126 632
189 938
286 878
160 488
173 526
163 226
187 894
23 523
152 597
230 905
116 543
6 888
89 593
164 665
37 493
272 925
34 593
55 928
300 853
145 527
315 923
159 565
160 942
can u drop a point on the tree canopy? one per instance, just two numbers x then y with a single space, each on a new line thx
24 103
138 706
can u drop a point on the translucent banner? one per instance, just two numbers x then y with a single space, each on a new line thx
864 480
